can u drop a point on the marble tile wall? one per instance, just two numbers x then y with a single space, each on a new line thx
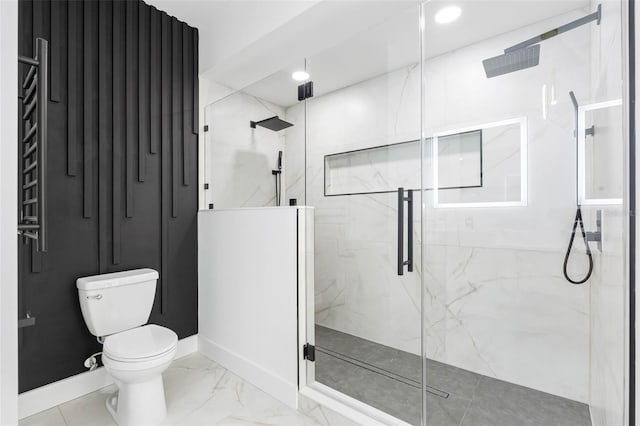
607 286
239 159
357 287
495 298
508 311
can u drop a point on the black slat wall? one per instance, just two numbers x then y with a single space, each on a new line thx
122 167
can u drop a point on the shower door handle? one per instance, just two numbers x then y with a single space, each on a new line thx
401 261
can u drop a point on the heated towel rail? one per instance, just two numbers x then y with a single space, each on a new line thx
33 147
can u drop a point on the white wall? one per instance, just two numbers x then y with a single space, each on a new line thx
8 217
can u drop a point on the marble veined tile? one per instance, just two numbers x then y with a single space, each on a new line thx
234 401
321 414
50 417
89 410
198 392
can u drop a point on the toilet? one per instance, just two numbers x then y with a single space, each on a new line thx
116 308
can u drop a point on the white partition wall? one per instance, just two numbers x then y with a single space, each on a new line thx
248 293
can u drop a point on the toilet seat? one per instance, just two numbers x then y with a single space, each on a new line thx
140 345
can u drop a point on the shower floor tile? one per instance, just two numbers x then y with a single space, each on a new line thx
389 380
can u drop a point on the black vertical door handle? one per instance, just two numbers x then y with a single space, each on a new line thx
401 261
400 231
409 230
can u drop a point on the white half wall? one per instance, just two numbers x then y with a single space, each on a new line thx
248 295
8 216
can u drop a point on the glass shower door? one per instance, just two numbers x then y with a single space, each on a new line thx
363 169
506 334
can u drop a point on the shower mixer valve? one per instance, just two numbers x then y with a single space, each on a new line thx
597 234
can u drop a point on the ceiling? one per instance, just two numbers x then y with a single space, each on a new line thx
255 45
228 26
395 43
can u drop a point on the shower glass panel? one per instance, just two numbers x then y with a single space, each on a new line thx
506 337
246 162
362 145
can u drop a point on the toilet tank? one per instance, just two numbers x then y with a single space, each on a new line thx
116 302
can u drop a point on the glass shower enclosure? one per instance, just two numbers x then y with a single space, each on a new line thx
467 165
471 145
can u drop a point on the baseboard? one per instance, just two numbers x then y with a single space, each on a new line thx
56 393
187 346
251 372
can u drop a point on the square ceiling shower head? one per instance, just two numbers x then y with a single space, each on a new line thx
274 123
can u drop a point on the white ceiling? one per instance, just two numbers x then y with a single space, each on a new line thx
227 26
255 45
395 43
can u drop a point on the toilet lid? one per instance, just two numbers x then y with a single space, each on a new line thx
140 342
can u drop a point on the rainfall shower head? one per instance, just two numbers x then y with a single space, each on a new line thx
527 54
511 61
274 123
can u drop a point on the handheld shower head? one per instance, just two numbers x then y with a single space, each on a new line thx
279 160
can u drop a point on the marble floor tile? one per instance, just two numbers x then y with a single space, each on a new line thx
201 392
198 392
89 410
50 417
321 414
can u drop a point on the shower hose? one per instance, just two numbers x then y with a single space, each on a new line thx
578 220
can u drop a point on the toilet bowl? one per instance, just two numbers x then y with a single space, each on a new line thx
136 359
116 308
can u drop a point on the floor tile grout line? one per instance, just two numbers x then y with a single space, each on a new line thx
64 419
466 410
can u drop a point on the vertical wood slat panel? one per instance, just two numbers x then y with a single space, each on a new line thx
132 101
93 162
37 28
26 31
144 104
155 82
90 121
106 139
74 88
196 95
176 82
166 174
120 117
187 92
55 47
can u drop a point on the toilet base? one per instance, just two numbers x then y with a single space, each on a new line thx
138 404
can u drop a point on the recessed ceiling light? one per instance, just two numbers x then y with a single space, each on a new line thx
447 14
300 76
